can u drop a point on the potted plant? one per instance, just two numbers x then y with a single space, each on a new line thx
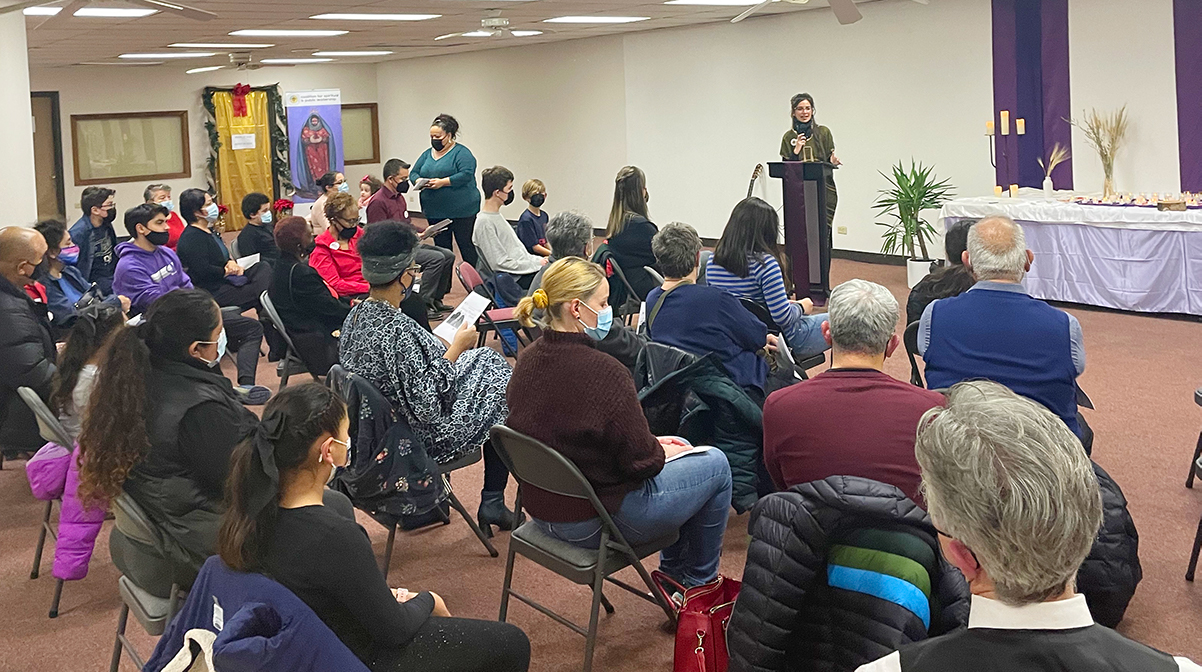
1106 133
909 193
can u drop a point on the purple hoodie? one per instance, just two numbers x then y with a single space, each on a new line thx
145 276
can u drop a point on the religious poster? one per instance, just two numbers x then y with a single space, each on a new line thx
314 139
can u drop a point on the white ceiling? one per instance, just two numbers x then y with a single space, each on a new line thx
68 41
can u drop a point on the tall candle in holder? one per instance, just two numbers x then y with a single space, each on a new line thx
1021 126
1005 122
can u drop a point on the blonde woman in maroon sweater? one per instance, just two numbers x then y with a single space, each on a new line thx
582 402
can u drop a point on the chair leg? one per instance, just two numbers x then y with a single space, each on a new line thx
655 592
590 641
507 583
58 595
1189 480
37 552
458 506
609 608
1193 556
173 603
121 619
285 373
388 550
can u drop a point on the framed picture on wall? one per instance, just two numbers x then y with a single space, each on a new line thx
130 147
360 133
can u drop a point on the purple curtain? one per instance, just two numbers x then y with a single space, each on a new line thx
1187 27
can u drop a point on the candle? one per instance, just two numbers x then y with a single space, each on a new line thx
989 128
1013 190
1005 122
1021 126
997 190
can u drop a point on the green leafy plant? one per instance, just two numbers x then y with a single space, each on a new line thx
909 193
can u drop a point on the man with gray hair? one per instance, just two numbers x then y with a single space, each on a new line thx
853 419
1016 506
997 331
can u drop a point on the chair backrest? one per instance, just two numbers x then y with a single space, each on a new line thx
702 262
469 277
761 313
49 427
655 275
234 254
533 462
131 520
910 340
274 317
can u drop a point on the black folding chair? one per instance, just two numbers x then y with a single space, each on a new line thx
630 307
910 340
1189 481
534 463
292 360
803 364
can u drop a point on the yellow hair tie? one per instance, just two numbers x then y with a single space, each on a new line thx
539 299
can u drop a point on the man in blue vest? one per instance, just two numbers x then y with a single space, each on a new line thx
1016 506
997 331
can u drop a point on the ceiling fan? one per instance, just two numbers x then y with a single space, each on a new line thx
75 5
845 10
493 25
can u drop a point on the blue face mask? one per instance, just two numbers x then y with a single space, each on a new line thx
220 343
344 188
265 218
212 213
169 205
605 320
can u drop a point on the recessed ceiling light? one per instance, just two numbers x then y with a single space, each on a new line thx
351 53
596 19
261 32
293 61
377 17
715 3
218 45
114 12
41 11
173 54
207 68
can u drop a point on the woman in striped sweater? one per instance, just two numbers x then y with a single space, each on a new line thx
744 263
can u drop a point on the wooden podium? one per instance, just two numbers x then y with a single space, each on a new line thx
807 230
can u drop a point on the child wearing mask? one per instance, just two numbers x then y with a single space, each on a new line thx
258 236
532 225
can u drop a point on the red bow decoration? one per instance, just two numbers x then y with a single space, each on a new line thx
239 102
282 204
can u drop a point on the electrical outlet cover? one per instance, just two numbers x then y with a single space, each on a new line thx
842 230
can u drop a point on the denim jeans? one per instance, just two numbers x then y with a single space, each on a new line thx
692 495
805 339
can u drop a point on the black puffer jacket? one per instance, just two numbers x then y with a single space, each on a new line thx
26 360
788 618
1109 575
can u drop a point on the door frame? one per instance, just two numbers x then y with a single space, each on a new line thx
56 128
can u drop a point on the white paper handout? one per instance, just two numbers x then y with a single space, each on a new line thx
435 229
465 313
693 450
420 183
247 261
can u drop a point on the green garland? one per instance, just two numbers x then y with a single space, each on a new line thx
281 171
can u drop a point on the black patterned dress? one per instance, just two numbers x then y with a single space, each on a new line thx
449 405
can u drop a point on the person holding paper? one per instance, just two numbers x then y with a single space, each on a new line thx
446 175
450 392
583 404
207 260
257 236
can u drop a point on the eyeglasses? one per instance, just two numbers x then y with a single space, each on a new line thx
970 551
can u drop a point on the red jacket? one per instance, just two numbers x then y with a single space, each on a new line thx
337 262
175 226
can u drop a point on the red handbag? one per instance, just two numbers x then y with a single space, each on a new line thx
702 614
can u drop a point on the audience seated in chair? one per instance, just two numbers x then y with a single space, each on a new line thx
583 404
312 313
257 236
993 465
330 184
702 319
27 351
147 271
160 194
951 279
75 375
64 284
853 419
207 260
495 240
449 393
94 235
570 234
745 264
628 234
277 524
999 332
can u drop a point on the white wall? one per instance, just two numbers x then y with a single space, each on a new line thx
16 118
1138 70
96 89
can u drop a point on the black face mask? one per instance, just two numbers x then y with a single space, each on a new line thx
41 269
537 200
348 233
158 238
110 216
308 248
437 144
509 198
402 187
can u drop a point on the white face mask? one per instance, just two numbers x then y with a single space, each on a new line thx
336 467
212 212
221 343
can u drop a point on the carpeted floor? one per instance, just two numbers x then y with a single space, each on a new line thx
1141 374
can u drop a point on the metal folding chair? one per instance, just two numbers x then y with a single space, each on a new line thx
292 361
702 262
1189 481
910 340
532 462
493 319
761 312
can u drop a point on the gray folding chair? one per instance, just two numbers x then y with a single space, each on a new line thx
51 430
655 275
152 612
292 361
234 253
532 462
702 262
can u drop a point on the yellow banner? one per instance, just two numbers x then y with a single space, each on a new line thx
244 160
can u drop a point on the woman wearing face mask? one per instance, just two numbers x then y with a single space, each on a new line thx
206 258
807 140
311 311
330 184
276 524
64 284
450 393
451 192
162 424
583 403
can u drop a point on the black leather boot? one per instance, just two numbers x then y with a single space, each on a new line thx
493 511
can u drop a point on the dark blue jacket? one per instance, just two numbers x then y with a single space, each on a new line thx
62 310
82 233
701 319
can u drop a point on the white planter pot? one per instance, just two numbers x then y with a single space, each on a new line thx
916 270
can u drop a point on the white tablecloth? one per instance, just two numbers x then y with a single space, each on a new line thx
1129 258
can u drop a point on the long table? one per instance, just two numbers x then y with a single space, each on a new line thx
1124 257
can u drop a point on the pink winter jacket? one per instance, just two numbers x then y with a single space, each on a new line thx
53 473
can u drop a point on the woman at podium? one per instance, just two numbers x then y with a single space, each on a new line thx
807 140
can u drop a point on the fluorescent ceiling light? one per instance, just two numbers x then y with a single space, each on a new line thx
293 61
41 11
121 63
217 45
259 32
207 68
597 19
477 33
714 3
377 17
525 33
351 53
173 54
114 12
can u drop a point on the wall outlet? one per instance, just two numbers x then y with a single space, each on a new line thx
841 230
